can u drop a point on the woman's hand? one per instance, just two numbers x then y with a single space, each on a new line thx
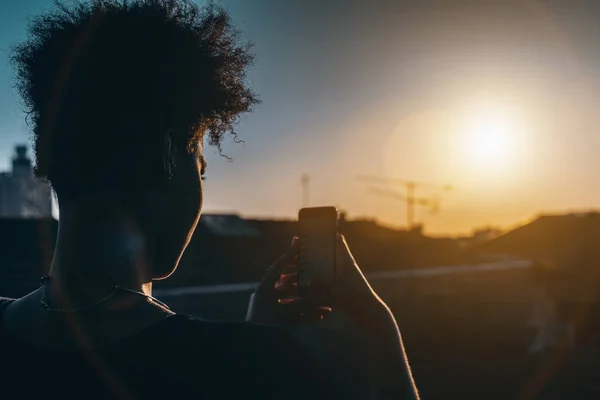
265 306
351 331
275 300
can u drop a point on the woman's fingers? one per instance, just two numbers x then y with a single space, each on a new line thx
287 281
279 285
274 278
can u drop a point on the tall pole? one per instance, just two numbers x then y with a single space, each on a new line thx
305 190
410 204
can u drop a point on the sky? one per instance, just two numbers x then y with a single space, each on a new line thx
497 98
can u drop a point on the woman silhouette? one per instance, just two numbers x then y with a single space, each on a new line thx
121 96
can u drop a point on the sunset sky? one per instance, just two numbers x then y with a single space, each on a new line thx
500 99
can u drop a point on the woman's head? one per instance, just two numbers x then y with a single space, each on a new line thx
121 95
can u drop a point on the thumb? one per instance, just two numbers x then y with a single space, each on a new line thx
274 272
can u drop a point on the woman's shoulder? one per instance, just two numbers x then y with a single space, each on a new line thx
240 345
236 334
258 345
264 357
4 302
242 349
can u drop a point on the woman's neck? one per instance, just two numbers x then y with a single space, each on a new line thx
99 245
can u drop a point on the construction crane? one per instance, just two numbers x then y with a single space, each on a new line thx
410 199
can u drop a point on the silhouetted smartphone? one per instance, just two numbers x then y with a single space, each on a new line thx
318 228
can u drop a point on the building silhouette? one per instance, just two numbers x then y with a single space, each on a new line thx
22 195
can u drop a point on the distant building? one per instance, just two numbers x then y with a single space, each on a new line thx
21 194
229 225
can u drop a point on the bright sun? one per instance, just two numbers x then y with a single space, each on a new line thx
491 140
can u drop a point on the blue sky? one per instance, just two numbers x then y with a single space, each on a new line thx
388 87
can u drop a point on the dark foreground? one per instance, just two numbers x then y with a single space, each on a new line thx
467 336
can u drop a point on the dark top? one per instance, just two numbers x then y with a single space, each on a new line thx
180 357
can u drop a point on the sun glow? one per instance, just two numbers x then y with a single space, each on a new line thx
491 140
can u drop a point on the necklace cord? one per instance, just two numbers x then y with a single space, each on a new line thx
45 304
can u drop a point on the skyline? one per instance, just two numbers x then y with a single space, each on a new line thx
392 88
343 212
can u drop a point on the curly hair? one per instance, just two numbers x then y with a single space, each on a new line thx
103 81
